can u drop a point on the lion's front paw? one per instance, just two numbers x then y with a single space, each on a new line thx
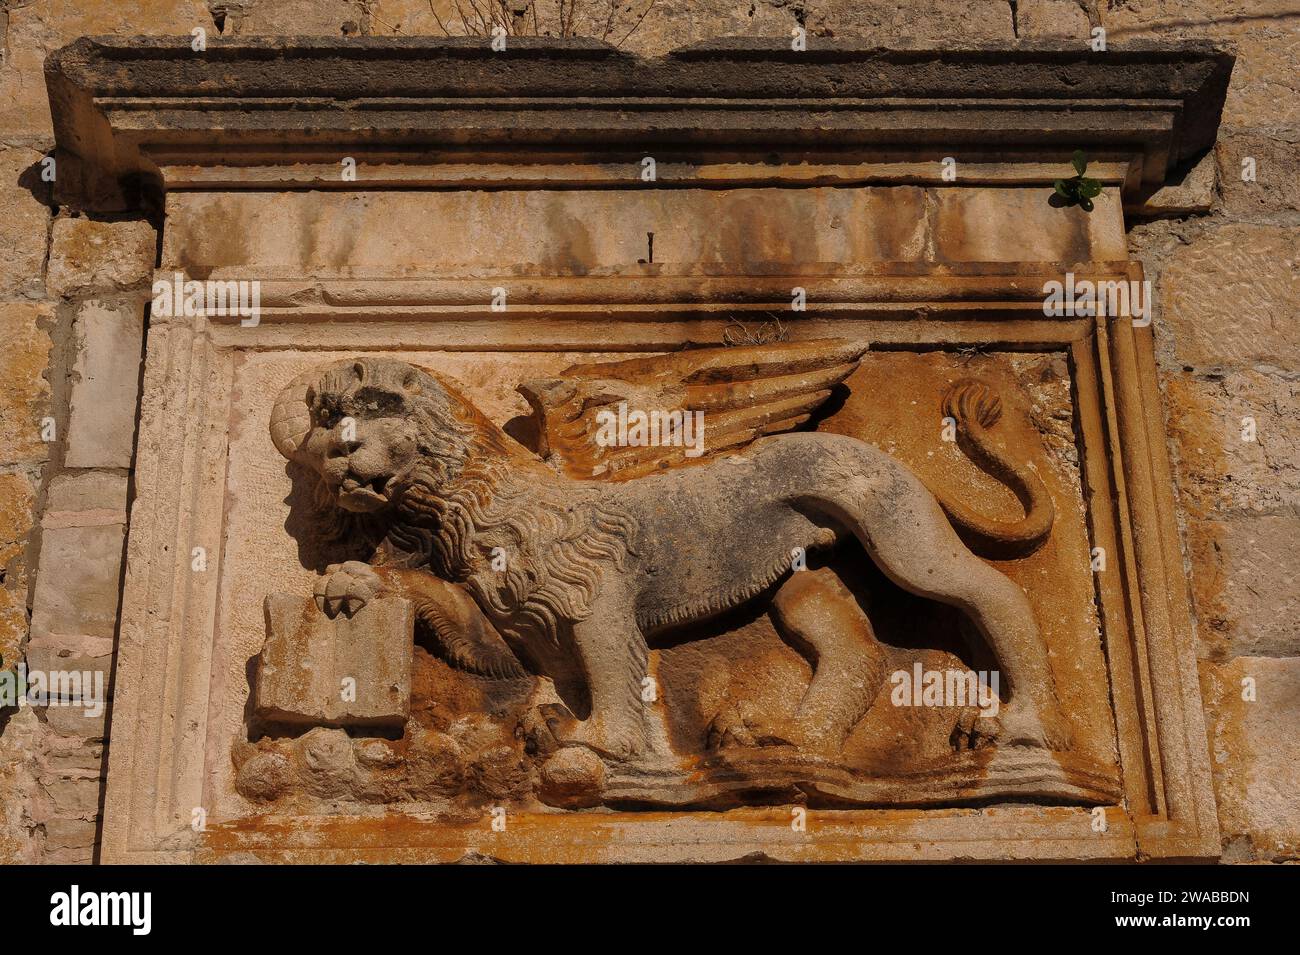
346 588
542 727
616 740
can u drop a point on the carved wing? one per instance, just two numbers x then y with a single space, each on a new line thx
612 421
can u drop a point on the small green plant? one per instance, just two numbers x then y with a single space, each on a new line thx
1079 190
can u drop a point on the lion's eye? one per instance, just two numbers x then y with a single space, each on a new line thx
378 402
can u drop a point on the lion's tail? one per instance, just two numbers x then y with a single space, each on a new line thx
976 410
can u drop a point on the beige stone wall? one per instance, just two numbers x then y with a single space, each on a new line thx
72 293
1226 288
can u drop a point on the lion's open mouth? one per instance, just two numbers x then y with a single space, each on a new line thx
371 495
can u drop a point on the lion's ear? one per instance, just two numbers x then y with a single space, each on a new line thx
359 369
411 381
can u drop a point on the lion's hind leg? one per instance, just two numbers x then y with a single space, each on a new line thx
816 612
906 533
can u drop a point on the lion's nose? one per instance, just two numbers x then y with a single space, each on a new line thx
340 448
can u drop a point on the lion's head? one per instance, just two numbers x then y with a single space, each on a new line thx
407 465
371 427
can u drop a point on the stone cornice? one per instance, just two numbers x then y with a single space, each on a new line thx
126 109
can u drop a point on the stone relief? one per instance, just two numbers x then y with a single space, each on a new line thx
542 562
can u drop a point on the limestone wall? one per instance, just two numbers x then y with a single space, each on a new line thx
73 292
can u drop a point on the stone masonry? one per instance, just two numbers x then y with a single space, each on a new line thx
1221 248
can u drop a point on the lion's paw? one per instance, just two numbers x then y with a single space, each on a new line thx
541 725
551 727
975 731
1016 726
346 588
738 726
606 738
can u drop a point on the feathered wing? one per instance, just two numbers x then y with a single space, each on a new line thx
743 393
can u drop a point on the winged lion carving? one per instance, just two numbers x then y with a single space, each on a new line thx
566 558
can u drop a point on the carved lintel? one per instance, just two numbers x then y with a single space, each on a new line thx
129 108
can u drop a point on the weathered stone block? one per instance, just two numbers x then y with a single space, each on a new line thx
71 758
1020 225
17 496
13 615
90 656
69 841
666 25
87 255
1265 89
25 223
310 664
73 797
78 856
101 424
77 581
925 20
300 17
20 746
35 29
85 497
26 396
564 232
414 17
1276 187
1220 469
1051 18
1193 194
1230 296
76 720
17 503
75 603
1255 752
1246 584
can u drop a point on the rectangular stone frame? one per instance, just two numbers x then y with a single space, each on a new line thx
122 130
164 679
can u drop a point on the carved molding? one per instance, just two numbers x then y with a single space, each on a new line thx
411 111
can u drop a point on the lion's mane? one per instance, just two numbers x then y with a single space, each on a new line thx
475 495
